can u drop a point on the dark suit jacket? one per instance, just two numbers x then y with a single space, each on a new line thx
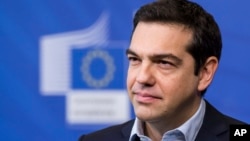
215 127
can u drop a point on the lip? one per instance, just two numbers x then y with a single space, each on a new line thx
145 97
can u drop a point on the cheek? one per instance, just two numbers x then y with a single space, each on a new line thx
130 79
168 87
174 85
182 86
130 82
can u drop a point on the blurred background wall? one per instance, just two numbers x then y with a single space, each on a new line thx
43 44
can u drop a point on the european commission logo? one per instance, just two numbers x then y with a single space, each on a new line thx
97 68
88 69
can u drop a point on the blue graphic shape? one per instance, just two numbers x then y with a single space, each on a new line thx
98 68
96 73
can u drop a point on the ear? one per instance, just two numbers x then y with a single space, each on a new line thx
207 72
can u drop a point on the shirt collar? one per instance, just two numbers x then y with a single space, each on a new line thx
190 128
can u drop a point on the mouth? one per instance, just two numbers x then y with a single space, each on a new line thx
145 97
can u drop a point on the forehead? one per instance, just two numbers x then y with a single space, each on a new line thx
153 37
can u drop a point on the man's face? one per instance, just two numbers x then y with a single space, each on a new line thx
161 81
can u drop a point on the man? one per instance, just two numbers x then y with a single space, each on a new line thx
173 56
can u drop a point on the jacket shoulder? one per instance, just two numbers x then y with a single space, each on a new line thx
116 132
232 121
216 125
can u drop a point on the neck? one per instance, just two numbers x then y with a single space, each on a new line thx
156 129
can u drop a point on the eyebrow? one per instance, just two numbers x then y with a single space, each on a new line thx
129 51
157 57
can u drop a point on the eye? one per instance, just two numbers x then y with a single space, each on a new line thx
133 60
165 64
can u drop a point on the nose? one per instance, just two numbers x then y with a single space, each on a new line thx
145 75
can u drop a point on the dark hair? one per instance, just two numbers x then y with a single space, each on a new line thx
206 34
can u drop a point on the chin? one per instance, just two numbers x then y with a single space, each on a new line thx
143 118
144 115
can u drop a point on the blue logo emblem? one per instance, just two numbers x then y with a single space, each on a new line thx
98 68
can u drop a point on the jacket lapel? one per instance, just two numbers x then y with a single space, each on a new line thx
204 135
213 125
126 130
